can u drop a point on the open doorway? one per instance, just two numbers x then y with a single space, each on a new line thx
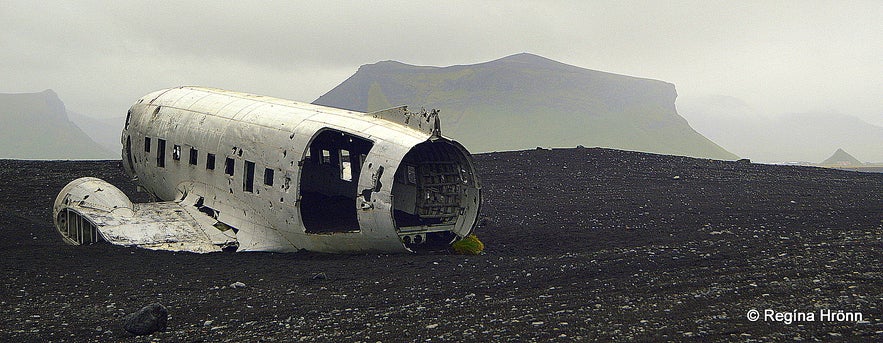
329 181
435 193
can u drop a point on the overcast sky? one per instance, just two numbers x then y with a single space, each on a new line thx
779 56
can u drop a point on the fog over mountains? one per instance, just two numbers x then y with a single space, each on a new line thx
36 126
524 101
104 131
808 137
517 102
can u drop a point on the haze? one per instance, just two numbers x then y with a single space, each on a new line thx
779 57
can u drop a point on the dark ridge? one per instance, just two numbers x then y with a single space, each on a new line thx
525 100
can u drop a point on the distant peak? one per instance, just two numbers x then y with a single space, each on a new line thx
52 97
516 59
389 62
841 157
384 66
45 93
524 56
528 58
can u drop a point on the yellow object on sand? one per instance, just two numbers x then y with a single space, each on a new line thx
470 245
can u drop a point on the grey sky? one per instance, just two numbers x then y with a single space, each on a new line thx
780 56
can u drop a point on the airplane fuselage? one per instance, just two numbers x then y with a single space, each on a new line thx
279 175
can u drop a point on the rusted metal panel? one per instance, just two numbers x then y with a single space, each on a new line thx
253 172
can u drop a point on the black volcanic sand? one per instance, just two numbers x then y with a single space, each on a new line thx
582 244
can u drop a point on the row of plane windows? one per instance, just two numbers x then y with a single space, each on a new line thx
229 163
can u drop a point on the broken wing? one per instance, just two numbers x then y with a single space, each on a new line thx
90 210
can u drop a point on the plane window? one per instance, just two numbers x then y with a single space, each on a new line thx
346 170
268 176
160 152
210 162
176 152
326 157
194 154
248 179
229 164
146 144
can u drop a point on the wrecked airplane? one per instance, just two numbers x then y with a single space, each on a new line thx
243 172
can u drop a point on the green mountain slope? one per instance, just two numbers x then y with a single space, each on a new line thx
524 101
36 126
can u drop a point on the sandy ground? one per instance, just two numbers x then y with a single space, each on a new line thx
582 244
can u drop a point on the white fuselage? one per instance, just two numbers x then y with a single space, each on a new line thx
287 176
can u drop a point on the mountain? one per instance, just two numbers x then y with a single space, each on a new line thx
36 126
104 131
525 101
841 158
808 136
734 125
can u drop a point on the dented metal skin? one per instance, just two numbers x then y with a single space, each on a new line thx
244 172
